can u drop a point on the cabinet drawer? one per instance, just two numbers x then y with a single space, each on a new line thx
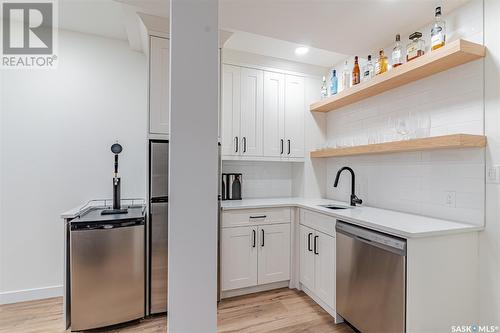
317 221
244 217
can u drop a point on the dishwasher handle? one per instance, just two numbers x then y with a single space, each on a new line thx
82 226
371 237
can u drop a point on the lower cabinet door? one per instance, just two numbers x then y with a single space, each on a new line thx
238 257
306 259
274 253
324 249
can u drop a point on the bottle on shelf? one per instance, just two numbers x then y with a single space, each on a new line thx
346 77
368 70
382 63
356 73
416 48
324 89
397 53
438 31
334 82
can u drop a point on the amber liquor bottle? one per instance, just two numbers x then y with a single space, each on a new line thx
356 72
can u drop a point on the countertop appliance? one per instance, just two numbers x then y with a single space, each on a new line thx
107 274
158 226
371 279
232 186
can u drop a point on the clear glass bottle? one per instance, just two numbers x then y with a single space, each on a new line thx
416 48
368 70
438 31
397 53
324 89
356 72
334 83
346 77
382 63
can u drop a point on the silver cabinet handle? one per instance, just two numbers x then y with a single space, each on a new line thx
262 244
236 144
288 146
244 144
254 236
282 147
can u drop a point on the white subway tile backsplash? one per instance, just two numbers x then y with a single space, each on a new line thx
419 182
262 179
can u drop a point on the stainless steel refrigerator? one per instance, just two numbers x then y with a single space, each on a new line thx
158 225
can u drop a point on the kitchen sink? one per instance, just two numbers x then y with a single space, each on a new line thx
334 206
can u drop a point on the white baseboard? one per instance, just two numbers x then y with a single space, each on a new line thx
255 289
16 296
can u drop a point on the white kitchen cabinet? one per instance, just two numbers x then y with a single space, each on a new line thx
238 257
252 90
255 247
274 114
159 68
317 257
306 258
324 268
231 109
274 253
242 111
294 116
262 114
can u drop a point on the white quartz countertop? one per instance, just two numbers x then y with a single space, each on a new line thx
392 222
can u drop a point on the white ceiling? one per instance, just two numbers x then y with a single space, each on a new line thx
342 26
272 47
274 27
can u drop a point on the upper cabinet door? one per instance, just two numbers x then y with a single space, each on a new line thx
231 108
252 88
274 253
294 116
274 114
325 268
159 91
238 257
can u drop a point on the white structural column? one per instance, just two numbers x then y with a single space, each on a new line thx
192 283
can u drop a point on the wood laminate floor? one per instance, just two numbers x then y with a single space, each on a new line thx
277 311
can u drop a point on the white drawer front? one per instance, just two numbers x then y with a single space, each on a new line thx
318 221
245 217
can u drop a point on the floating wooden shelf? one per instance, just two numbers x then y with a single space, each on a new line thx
454 141
451 55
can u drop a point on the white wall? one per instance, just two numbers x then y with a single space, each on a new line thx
420 182
192 259
489 249
56 131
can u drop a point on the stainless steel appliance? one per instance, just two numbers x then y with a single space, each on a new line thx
232 183
107 274
158 226
371 279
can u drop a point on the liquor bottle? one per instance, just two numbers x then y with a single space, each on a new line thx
438 31
356 73
368 70
382 63
334 82
416 48
324 89
397 52
346 77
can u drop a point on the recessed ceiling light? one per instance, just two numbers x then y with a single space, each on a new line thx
301 50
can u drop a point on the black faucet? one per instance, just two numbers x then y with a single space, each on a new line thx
354 199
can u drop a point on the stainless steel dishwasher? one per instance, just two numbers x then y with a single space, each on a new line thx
371 279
